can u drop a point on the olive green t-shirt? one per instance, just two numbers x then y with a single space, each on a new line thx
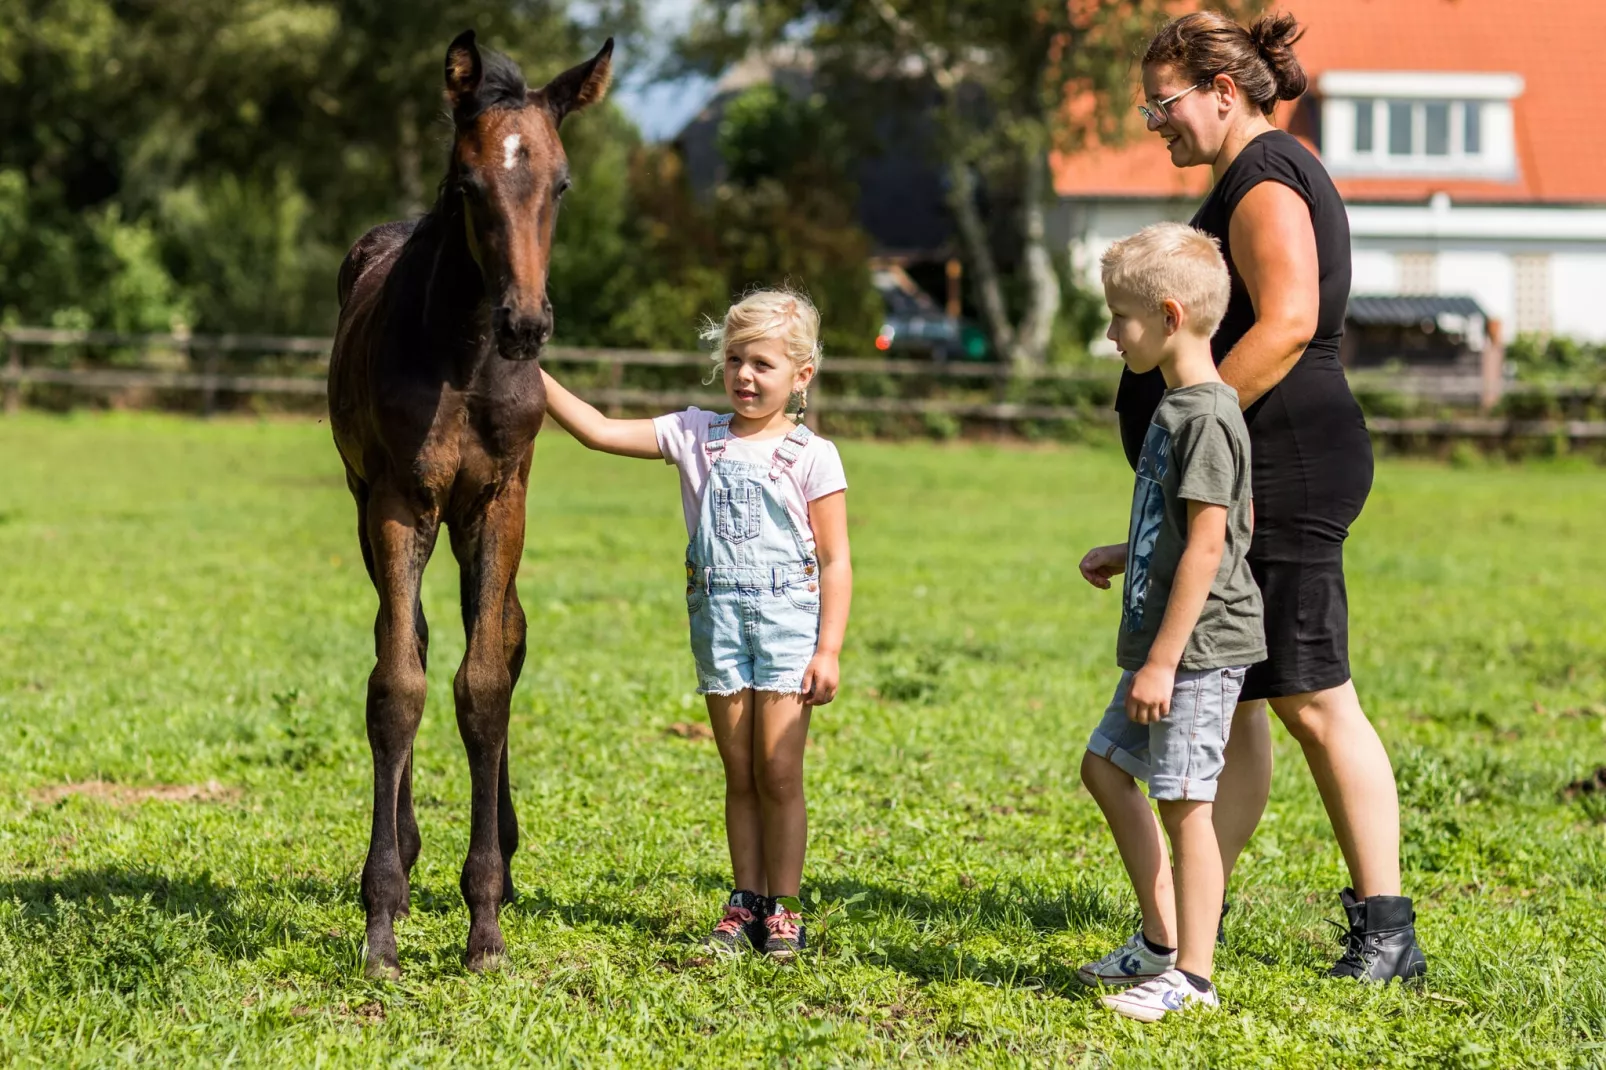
1196 449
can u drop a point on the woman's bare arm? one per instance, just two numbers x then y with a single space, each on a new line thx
1274 250
627 438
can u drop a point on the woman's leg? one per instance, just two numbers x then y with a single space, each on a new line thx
732 718
780 731
1245 783
1353 774
1140 841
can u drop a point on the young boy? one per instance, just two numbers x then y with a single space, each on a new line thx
1190 622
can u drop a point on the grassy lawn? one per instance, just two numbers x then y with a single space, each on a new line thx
185 632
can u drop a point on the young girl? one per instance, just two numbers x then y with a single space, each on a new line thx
768 582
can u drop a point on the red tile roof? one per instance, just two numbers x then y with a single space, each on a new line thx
1554 45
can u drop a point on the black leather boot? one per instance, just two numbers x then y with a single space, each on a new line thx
1380 944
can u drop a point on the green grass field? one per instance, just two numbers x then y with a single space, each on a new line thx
185 636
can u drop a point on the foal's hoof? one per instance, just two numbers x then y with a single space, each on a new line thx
377 969
487 961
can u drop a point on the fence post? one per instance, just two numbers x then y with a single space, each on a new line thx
616 383
209 382
13 375
1492 368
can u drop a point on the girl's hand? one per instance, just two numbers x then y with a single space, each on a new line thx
820 679
1102 562
1149 698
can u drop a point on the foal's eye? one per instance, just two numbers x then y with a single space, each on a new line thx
563 187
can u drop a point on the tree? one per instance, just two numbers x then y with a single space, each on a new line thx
1015 81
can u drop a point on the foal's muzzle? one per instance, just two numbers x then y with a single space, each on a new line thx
521 337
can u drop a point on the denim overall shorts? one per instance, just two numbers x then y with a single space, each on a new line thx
752 586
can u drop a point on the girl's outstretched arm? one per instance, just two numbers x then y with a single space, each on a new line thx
627 438
828 516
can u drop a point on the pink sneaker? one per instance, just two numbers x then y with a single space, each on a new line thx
786 935
740 925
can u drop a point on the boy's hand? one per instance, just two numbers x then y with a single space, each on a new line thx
1102 562
820 679
1149 697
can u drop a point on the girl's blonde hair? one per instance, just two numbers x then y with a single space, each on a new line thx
786 314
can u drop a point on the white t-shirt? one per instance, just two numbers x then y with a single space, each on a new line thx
816 472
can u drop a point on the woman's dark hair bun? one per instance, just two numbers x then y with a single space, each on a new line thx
1274 37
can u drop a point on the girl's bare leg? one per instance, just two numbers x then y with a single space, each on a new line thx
780 731
1140 841
733 718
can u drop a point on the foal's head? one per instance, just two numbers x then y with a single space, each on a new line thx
510 167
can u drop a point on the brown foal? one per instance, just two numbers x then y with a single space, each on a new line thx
435 398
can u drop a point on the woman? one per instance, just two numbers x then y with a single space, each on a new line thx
1211 86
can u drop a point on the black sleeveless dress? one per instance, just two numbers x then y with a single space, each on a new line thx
1311 455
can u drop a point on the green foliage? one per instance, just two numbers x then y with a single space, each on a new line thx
182 603
1557 360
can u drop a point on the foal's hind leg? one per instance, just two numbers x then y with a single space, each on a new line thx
408 840
487 547
507 820
401 543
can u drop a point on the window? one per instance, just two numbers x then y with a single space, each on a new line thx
1532 272
1418 273
1419 129
1436 127
1444 124
1399 127
1363 125
1472 131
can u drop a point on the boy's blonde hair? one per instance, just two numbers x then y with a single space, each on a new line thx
787 314
1175 261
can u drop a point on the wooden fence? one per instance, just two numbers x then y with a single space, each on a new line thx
209 366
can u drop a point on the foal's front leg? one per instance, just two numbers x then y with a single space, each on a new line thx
400 541
487 548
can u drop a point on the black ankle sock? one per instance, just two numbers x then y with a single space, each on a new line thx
1154 948
1199 984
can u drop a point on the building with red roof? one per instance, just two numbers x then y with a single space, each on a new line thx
1459 133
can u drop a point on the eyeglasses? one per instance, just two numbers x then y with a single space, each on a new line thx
1157 115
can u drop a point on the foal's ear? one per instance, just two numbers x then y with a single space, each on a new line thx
580 86
463 69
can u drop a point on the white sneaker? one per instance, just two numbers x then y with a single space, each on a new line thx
1153 1000
1130 964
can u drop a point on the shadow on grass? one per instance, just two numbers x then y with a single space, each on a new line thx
111 905
953 919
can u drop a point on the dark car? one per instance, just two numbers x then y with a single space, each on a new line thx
915 325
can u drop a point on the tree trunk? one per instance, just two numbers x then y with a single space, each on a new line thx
973 236
409 164
1042 280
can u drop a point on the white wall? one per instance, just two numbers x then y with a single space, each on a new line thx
1578 294
1472 245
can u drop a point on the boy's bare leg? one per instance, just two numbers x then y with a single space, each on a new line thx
1198 882
732 719
780 731
1245 783
1138 838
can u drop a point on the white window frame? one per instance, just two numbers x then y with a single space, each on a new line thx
1343 92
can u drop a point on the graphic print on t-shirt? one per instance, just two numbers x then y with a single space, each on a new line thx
1148 509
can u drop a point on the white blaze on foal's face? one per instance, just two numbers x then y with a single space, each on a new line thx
760 377
510 151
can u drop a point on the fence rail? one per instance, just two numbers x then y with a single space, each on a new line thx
199 359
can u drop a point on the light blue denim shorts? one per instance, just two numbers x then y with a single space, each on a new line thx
753 627
1180 755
